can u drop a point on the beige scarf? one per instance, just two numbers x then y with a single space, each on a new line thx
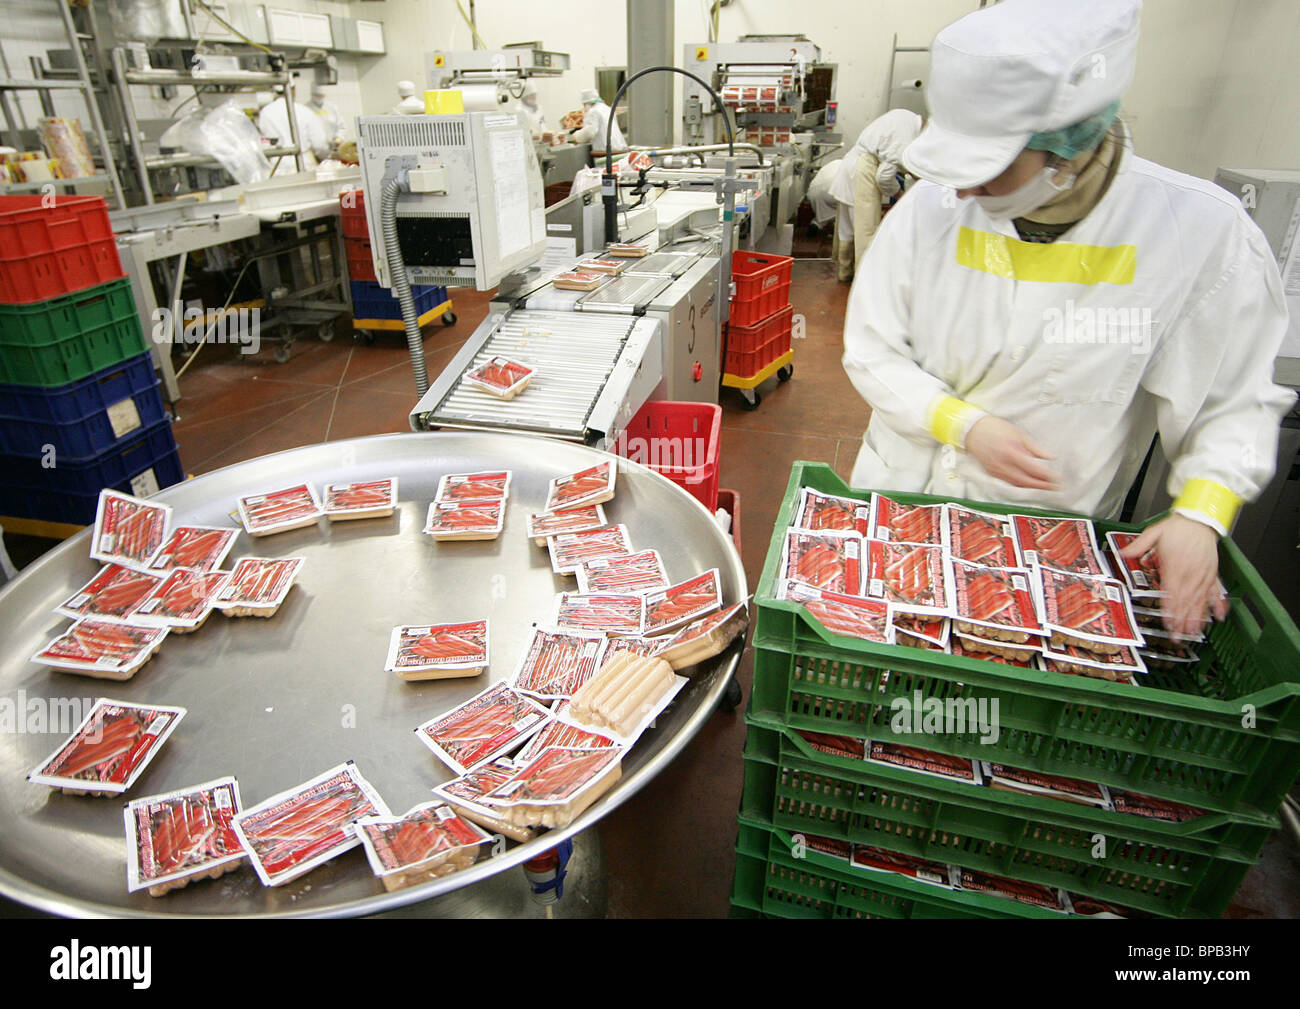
1093 171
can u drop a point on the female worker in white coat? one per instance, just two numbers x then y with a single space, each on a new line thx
865 184
595 120
1026 321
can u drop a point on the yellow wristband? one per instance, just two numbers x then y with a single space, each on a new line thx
951 419
1213 500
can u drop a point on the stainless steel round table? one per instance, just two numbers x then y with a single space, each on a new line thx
274 702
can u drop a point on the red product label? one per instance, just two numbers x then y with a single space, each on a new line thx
114 594
606 613
1156 809
419 836
1061 543
910 575
826 561
184 596
500 373
571 520
129 530
556 665
839 613
981 538
824 511
916 759
580 488
484 726
95 643
473 486
999 596
571 550
556 776
906 523
185 832
836 746
196 547
266 511
1141 574
1093 607
116 741
348 497
924 869
465 516
442 645
258 581
682 603
1014 889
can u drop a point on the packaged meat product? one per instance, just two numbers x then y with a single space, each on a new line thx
636 646
925 870
425 843
819 511
599 612
465 795
291 833
280 510
111 596
1062 543
704 638
128 530
500 377
579 280
638 572
934 630
825 560
1141 575
491 486
562 732
981 537
105 651
913 578
542 525
840 613
1153 808
594 485
183 601
626 692
465 520
973 647
438 651
843 850
557 786
913 758
994 603
1050 786
1089 612
199 548
258 585
1090 907
489 725
683 603
365 499
1013 889
555 664
181 837
610 266
901 523
836 746
1118 666
109 749
569 551
627 250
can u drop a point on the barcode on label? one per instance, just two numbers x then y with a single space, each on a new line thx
1112 593
1031 556
1018 583
1140 579
221 799
877 587
445 813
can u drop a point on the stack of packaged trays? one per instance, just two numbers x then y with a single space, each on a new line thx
949 776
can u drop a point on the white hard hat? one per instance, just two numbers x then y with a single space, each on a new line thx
406 88
590 96
1003 73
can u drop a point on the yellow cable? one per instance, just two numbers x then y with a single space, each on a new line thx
460 7
229 27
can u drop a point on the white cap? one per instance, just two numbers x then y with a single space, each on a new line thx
1020 67
406 88
589 95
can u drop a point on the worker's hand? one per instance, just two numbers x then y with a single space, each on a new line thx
1188 558
1009 454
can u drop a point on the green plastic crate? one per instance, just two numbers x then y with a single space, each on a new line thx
1177 737
970 826
64 339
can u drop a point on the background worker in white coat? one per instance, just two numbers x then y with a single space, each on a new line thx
532 109
273 123
409 103
328 113
596 115
1026 321
825 207
866 183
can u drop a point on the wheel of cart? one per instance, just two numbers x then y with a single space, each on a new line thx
748 385
759 349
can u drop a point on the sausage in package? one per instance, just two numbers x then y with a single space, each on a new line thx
542 525
199 548
466 520
913 758
925 870
1153 808
561 733
1091 613
1013 889
1072 660
569 551
996 603
594 485
183 601
625 696
819 511
919 630
297 830
638 572
981 537
683 603
557 785
489 725
128 531
489 486
103 650
111 596
438 651
280 510
465 795
903 523
599 612
703 639
366 499
851 616
555 665
1061 543
425 843
110 748
912 577
258 586
1141 574
500 377
824 560
991 650
1052 786
181 837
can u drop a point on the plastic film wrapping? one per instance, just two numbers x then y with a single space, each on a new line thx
65 142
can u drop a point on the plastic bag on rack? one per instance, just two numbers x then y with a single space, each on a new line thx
137 20
224 133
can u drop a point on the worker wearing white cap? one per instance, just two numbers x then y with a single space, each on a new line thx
1029 318
411 104
328 113
532 110
596 117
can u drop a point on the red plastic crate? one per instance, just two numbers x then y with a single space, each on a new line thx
679 440
729 502
762 286
360 264
54 245
744 363
354 218
747 339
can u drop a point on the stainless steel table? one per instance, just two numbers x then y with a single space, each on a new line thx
276 701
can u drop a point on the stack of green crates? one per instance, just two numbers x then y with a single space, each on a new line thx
1222 735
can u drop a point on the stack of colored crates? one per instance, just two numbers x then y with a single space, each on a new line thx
1221 735
758 338
80 408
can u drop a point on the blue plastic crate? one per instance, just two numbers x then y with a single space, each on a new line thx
373 301
78 418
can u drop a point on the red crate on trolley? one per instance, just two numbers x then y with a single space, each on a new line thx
679 440
352 214
54 245
750 349
762 286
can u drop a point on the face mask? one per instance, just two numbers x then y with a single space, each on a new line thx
1032 195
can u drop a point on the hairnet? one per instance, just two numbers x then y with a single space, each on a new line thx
1071 141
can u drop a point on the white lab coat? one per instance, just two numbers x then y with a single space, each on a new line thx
592 130
411 105
824 206
535 118
886 137
273 123
331 118
1186 348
